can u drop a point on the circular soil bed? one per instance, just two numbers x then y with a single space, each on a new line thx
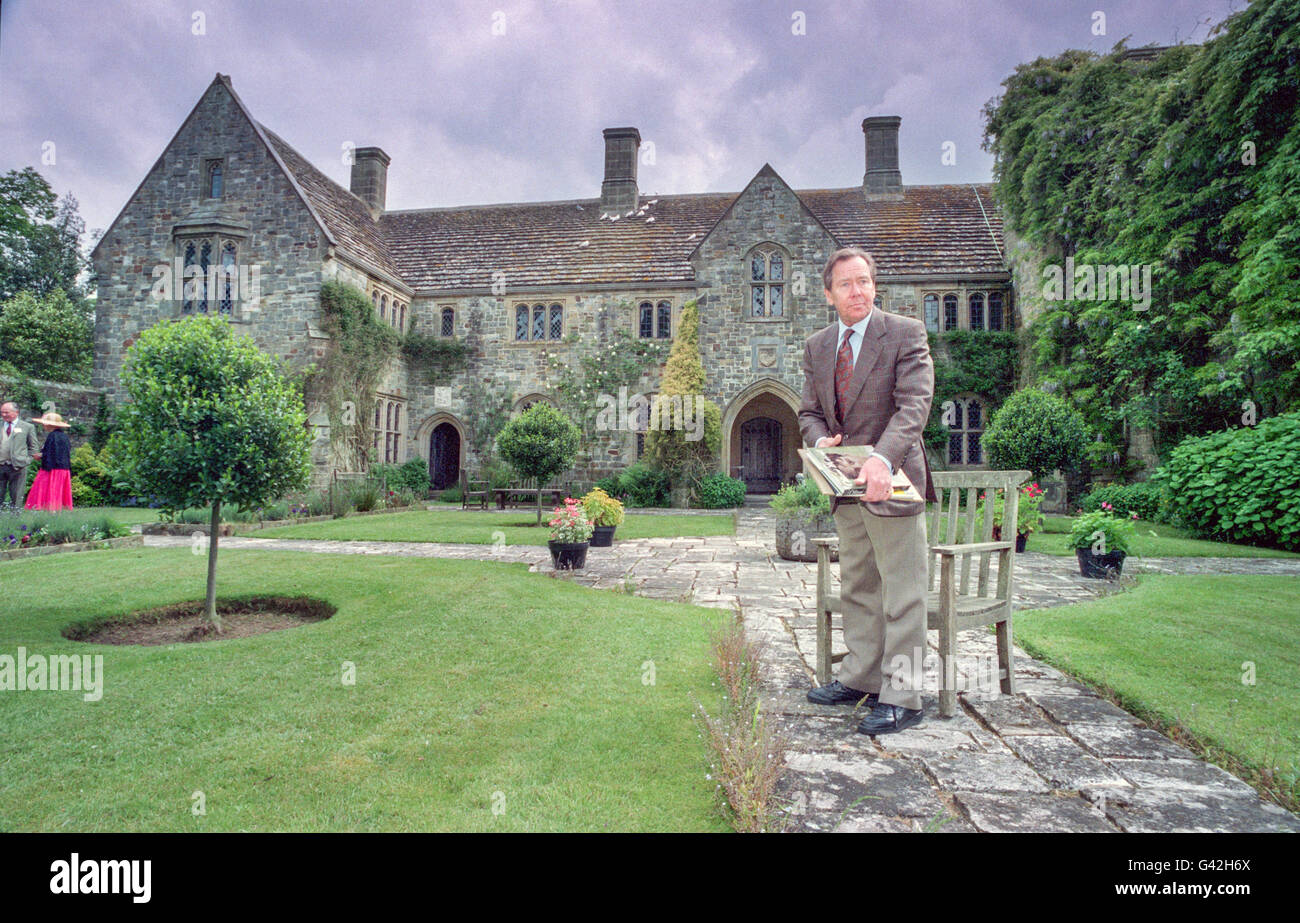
182 623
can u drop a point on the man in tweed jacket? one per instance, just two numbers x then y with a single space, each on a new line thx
885 386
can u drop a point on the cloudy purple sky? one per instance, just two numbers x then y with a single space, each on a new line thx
504 100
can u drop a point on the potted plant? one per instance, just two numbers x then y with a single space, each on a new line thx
570 536
1029 515
1101 540
605 514
803 513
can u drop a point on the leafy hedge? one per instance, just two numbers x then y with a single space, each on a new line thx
412 476
638 485
1240 485
1143 498
1038 431
719 491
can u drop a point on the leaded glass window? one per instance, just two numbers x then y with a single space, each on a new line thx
448 322
949 312
995 310
931 303
766 282
976 305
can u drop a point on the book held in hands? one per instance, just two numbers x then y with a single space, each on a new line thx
835 468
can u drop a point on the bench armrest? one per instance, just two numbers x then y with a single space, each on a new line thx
974 547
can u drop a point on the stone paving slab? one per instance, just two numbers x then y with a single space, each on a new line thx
1033 814
1054 756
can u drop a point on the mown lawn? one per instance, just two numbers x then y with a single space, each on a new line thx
517 527
1151 540
485 698
1217 656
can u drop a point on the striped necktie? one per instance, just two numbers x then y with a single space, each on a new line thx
843 374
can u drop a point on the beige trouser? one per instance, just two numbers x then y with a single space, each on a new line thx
882 588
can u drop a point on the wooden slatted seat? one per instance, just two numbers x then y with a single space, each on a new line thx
473 492
961 592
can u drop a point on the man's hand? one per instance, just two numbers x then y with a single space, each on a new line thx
827 441
878 480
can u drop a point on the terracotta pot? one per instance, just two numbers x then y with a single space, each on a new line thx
568 555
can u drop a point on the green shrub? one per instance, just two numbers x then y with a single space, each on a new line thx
1036 431
638 485
1116 533
1143 498
718 492
803 499
414 476
365 496
84 495
1239 485
450 495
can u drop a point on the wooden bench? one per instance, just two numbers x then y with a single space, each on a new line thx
525 494
473 492
955 601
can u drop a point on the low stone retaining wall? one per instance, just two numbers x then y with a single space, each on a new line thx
125 541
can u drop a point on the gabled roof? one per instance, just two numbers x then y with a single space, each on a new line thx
931 229
550 243
941 230
764 172
345 217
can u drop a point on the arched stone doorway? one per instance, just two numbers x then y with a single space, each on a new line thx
441 437
444 456
761 436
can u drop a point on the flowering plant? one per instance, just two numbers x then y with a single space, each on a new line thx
1116 532
602 509
570 524
1029 513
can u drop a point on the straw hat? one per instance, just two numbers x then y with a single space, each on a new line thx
52 419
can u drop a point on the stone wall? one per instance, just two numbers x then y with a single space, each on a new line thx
76 404
258 208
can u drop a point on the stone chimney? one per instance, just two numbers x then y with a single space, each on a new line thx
618 193
882 179
370 177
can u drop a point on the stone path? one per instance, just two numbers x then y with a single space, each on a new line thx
1053 757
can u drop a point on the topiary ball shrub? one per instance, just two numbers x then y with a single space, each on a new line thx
1037 431
720 492
1240 485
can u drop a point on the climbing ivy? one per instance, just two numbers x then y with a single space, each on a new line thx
346 379
439 357
1189 164
979 362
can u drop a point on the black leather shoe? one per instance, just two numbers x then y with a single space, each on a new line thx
836 693
889 719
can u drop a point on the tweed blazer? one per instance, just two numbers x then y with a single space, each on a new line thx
888 401
22 443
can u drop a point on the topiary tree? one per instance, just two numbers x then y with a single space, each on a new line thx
1036 430
539 443
211 420
679 441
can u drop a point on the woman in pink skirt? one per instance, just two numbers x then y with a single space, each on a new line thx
52 489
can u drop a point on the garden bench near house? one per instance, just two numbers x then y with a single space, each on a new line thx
525 494
473 492
955 601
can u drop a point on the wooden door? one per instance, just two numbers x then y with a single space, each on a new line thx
760 454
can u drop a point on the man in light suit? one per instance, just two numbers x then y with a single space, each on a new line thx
18 449
869 380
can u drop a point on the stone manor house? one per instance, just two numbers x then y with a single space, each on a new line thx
513 281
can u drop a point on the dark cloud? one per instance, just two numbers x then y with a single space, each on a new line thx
504 101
